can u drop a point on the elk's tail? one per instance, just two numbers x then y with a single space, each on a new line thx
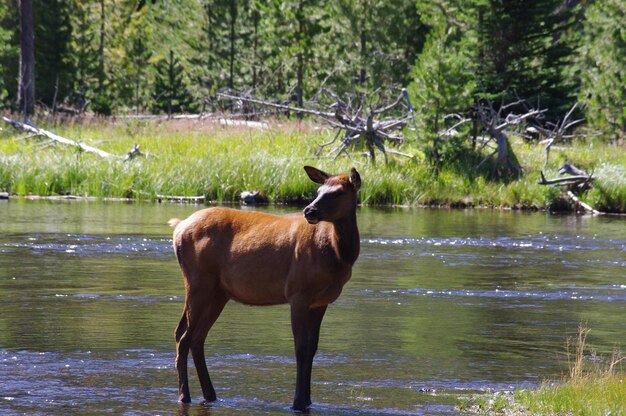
174 222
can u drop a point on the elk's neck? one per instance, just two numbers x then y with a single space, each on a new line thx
347 238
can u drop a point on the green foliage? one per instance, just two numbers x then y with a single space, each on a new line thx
609 191
443 84
109 56
522 52
53 33
602 63
6 51
84 52
170 91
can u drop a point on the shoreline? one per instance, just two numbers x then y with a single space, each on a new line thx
201 201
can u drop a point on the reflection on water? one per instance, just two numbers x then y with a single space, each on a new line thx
441 304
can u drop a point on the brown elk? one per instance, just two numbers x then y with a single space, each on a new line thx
262 259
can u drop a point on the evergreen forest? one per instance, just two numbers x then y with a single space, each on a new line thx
167 56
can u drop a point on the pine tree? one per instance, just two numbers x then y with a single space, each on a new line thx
522 52
8 51
54 71
602 63
84 52
443 76
170 94
26 77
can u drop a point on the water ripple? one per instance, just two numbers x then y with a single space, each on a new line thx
130 245
536 242
610 293
90 244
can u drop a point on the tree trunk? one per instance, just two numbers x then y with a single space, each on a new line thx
505 165
170 89
26 81
233 20
363 73
300 64
255 47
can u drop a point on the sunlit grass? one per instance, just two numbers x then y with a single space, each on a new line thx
202 158
592 387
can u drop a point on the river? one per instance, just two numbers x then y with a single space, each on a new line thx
442 304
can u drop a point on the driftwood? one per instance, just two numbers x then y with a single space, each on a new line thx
577 177
352 125
582 204
132 153
578 180
173 198
229 122
35 131
570 180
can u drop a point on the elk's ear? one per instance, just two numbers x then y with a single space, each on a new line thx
355 179
316 175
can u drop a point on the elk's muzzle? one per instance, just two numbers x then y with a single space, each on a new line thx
311 214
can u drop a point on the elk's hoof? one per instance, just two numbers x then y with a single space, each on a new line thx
184 399
300 406
209 400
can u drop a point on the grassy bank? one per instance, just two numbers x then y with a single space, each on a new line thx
190 157
593 387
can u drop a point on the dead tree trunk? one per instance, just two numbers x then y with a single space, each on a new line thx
496 125
556 132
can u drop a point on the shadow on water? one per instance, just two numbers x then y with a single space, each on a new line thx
441 304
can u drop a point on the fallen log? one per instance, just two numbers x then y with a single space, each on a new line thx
35 131
173 198
582 204
577 177
578 180
568 180
56 138
229 122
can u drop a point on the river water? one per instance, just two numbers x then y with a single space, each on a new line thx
442 304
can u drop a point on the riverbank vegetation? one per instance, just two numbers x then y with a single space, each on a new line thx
203 158
593 386
475 76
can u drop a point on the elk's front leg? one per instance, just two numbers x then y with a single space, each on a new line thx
305 324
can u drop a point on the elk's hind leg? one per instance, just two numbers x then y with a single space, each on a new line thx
201 322
182 352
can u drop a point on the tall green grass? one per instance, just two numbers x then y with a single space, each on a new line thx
190 158
591 388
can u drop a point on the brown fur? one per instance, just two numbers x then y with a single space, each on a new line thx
262 259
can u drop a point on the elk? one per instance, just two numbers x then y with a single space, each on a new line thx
262 259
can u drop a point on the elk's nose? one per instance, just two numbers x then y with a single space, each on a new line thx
311 214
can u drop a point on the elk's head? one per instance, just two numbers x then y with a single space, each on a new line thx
336 197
